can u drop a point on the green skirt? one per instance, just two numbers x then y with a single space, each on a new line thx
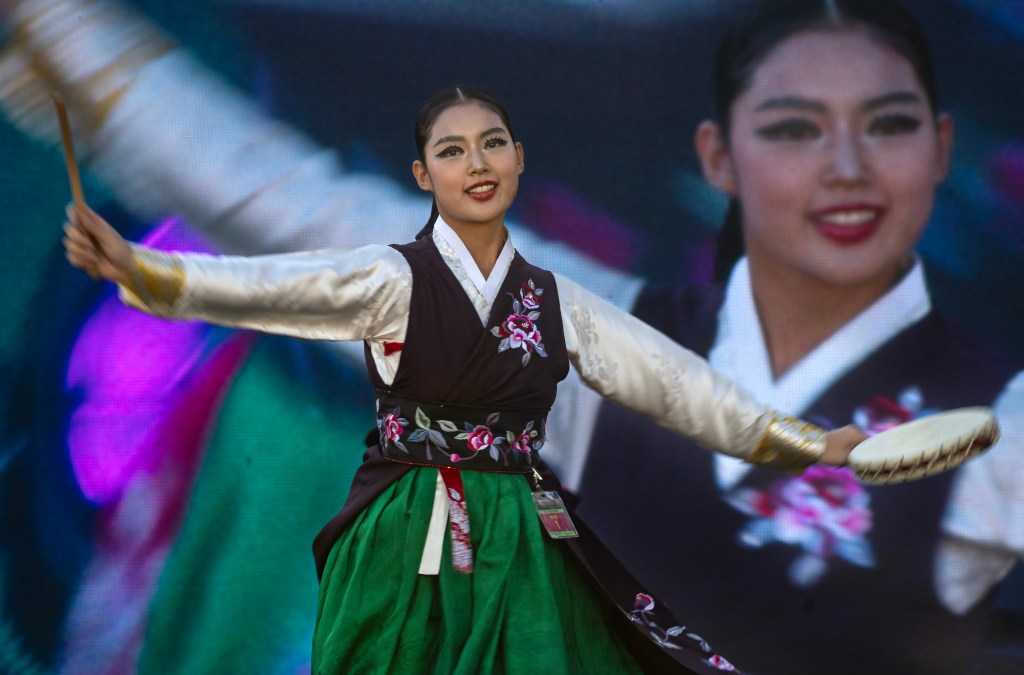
525 608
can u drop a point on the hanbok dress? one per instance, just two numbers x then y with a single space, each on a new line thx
465 370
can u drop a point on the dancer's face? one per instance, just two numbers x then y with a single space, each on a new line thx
834 155
472 166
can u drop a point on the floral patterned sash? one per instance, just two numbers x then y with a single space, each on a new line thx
459 437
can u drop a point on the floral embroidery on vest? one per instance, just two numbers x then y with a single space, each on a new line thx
881 412
510 447
518 330
643 613
391 427
825 511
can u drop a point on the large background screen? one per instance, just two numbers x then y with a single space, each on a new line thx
160 484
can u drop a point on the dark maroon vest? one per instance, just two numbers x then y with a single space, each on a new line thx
449 357
680 536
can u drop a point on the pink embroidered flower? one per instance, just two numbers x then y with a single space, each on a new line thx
643 602
883 413
530 296
522 441
825 512
392 429
668 638
721 663
520 331
820 508
480 438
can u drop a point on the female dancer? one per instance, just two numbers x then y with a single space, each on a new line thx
465 342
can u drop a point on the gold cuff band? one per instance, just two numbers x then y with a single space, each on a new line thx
156 278
789 444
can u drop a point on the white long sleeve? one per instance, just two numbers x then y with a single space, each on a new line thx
641 369
990 492
985 521
333 294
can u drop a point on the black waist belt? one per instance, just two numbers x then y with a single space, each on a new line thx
459 437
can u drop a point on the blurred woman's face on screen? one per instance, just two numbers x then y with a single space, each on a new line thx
834 154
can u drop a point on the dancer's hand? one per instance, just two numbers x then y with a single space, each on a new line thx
91 244
838 444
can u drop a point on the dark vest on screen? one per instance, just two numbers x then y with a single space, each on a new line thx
652 497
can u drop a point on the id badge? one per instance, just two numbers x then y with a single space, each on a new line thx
553 515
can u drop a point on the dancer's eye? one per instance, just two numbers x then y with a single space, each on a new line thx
790 130
894 124
450 151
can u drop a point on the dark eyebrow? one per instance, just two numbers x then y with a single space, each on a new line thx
449 139
889 99
452 139
798 103
792 102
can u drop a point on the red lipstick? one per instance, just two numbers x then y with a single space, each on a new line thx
847 224
482 195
